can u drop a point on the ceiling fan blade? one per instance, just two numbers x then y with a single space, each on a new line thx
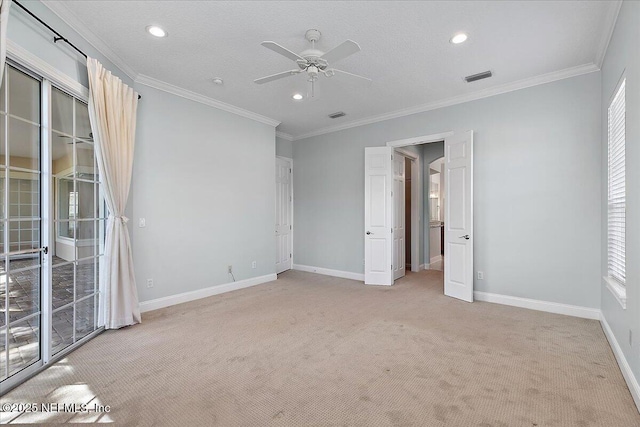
362 79
282 50
273 77
342 51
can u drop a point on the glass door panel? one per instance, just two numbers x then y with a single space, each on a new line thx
77 211
20 223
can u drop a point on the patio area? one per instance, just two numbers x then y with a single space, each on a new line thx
24 299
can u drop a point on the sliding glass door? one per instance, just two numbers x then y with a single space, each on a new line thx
52 220
20 223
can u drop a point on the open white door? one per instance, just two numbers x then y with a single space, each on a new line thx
399 230
378 216
283 215
458 223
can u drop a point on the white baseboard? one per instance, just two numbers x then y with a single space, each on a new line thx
631 380
423 267
329 272
435 259
532 304
157 303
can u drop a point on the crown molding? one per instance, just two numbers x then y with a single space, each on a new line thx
485 93
284 136
187 94
70 18
609 25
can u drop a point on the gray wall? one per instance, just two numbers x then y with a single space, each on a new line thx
537 216
430 152
205 182
203 178
624 54
284 148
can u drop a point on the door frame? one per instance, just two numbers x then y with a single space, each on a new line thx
290 161
416 190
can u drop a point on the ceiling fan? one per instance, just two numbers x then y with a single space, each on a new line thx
313 61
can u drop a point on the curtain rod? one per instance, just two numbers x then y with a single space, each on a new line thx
59 37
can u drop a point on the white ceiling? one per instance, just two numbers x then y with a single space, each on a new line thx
405 50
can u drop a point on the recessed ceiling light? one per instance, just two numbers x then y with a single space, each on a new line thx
297 96
156 31
459 38
218 81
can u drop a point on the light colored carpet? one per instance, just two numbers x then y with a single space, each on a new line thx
311 350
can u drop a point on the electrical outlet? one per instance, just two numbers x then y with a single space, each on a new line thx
230 269
480 275
149 283
253 264
142 222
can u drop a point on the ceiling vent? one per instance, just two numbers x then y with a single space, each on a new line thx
479 76
336 115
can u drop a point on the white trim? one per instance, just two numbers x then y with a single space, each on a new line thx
436 258
417 140
328 272
27 59
532 304
609 25
284 135
460 99
423 267
627 373
70 18
619 292
406 153
416 212
187 94
158 303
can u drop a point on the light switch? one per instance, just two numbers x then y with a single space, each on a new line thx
142 222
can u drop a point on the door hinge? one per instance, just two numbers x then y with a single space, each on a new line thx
392 231
290 256
392 194
290 199
289 227
289 170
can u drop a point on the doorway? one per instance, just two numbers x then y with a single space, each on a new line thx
284 214
383 211
52 218
436 215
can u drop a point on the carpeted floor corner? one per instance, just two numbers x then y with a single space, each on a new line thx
311 350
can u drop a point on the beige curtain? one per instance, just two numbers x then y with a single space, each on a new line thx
112 110
4 19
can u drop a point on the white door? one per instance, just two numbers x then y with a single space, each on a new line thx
378 216
398 216
283 215
458 222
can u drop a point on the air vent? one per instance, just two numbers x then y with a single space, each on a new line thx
336 115
479 76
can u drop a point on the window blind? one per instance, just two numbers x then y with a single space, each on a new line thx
616 184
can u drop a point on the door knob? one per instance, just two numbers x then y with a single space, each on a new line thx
368 232
466 237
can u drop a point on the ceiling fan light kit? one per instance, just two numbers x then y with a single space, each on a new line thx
314 62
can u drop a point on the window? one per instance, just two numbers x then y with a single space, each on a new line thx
616 190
